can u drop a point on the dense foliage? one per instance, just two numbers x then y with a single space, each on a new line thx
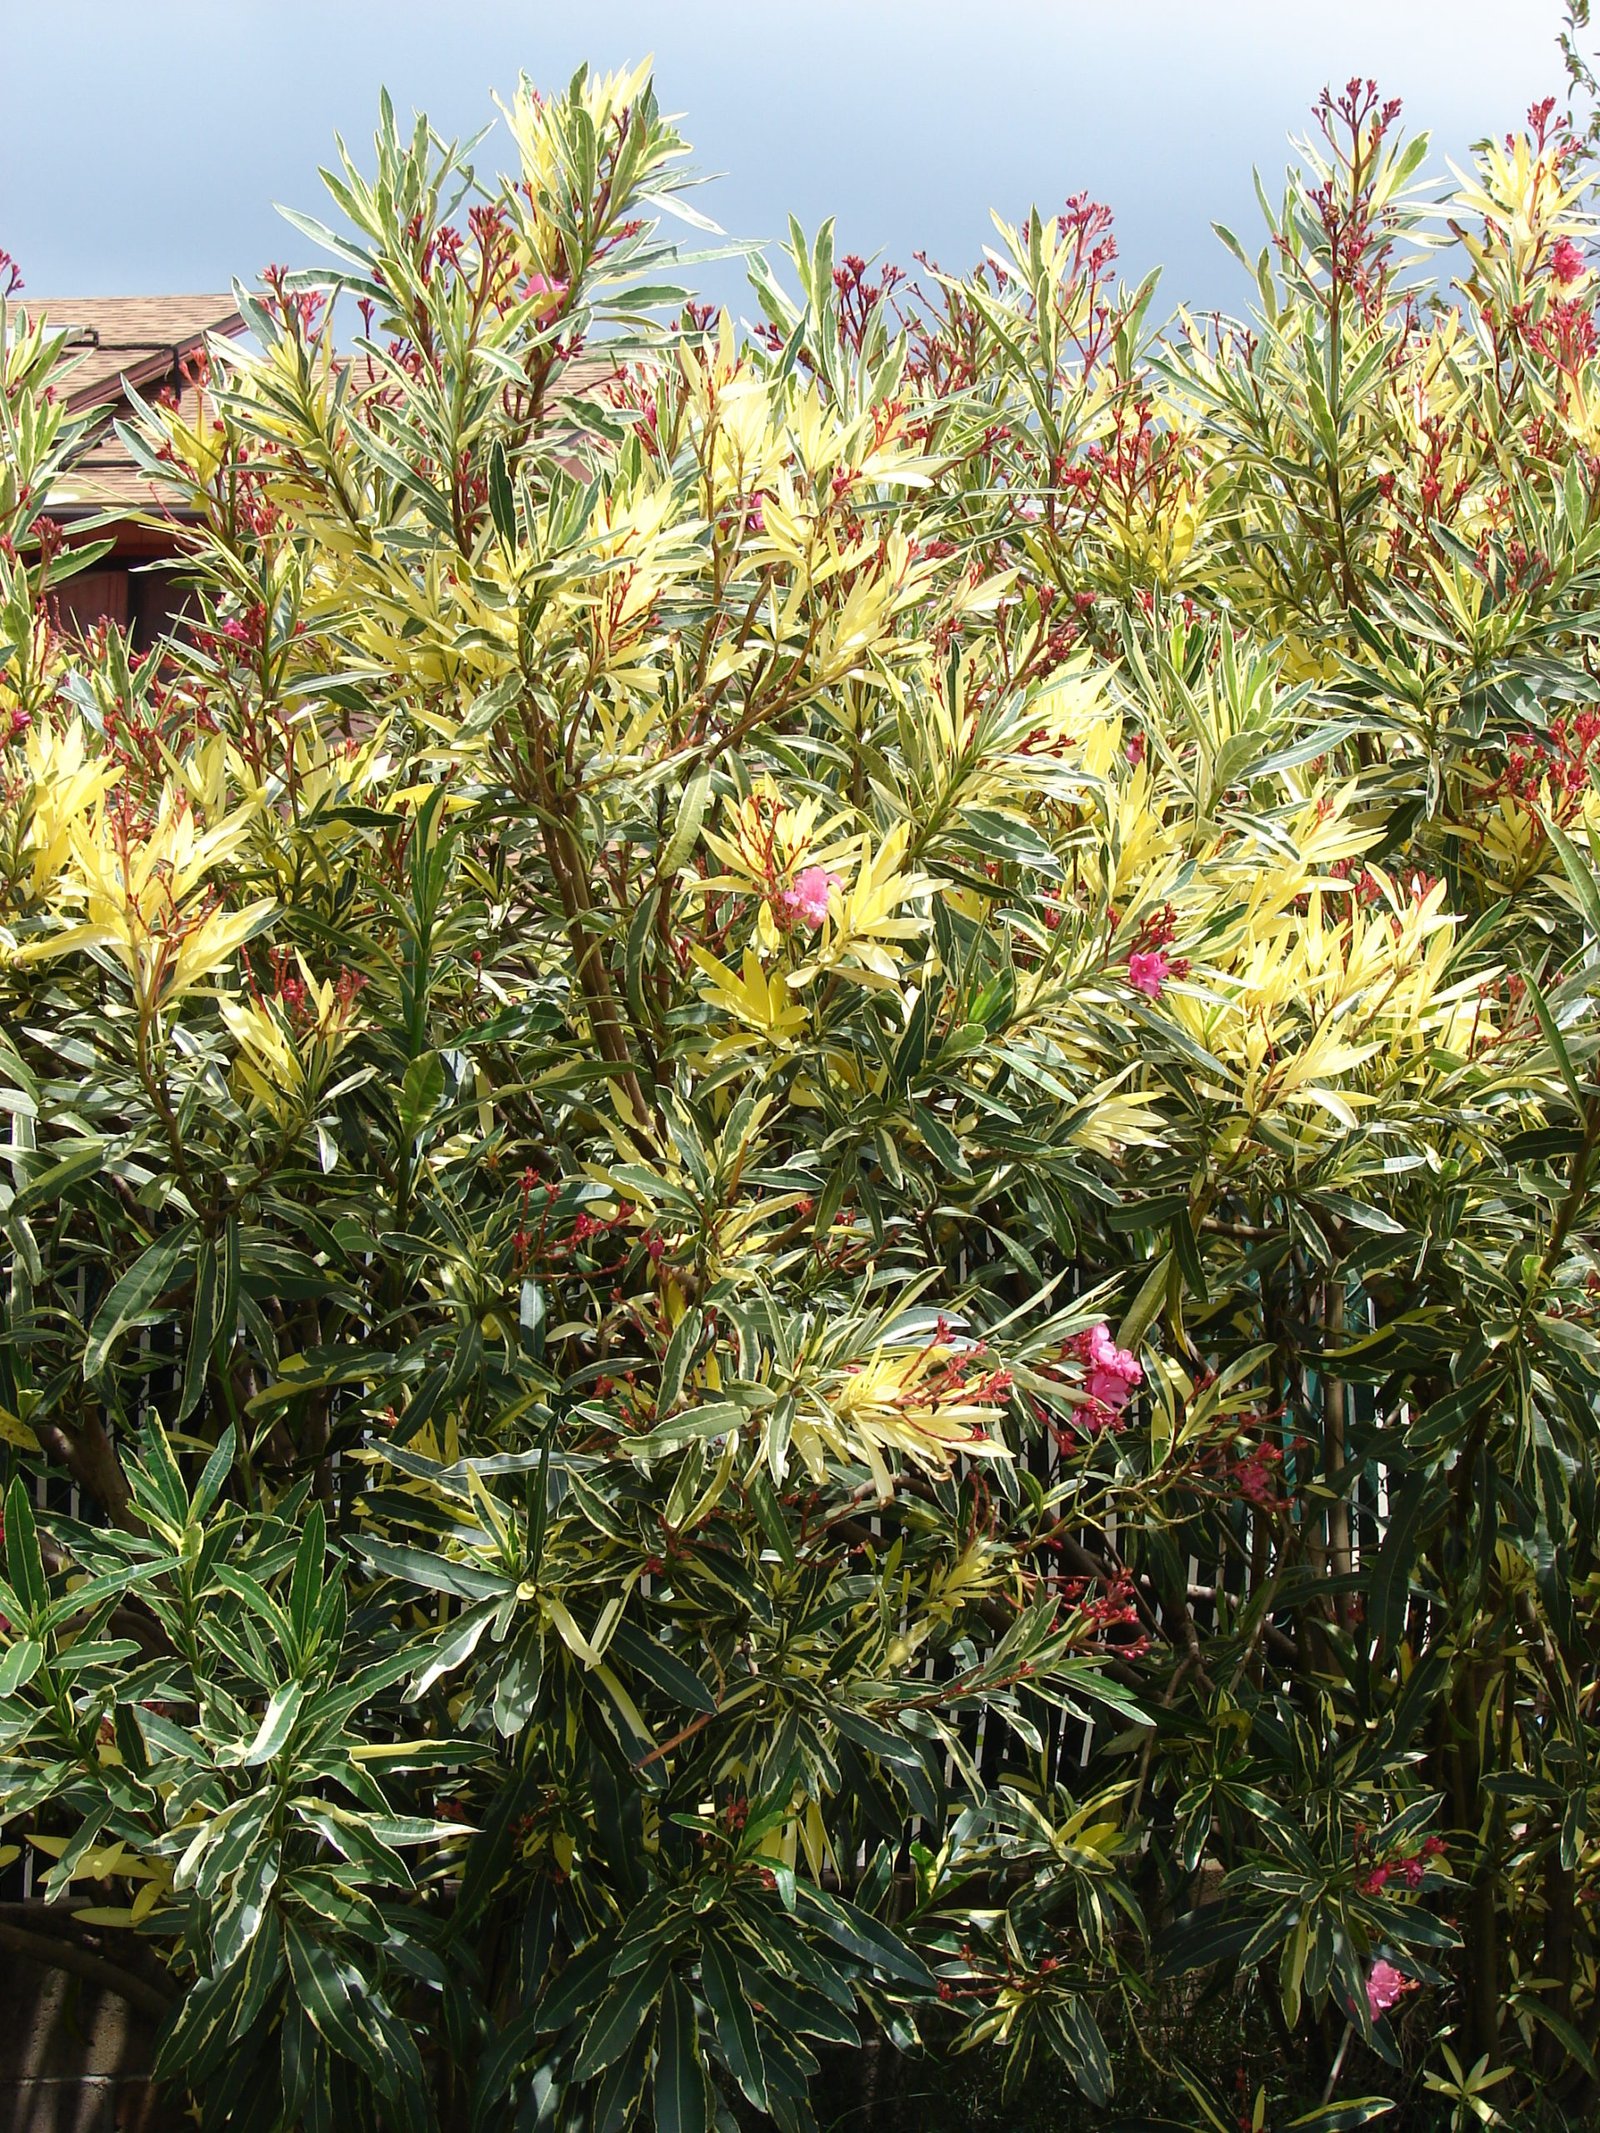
802 1161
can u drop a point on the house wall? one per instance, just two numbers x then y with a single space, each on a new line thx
74 2057
129 592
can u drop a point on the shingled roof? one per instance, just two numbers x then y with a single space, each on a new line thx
116 342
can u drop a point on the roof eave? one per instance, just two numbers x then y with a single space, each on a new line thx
161 361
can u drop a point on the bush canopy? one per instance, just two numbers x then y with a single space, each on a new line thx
800 1161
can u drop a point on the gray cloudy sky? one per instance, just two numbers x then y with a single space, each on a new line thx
143 142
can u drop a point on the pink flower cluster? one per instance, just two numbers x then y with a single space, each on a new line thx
1113 1371
1566 262
1149 965
545 295
1386 1987
1147 971
1118 1608
804 901
1411 1871
1256 1475
1111 1374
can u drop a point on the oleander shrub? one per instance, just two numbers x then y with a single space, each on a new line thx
800 1178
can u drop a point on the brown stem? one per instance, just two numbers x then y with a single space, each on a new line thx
570 873
684 1733
90 1456
1335 1417
594 978
1484 1923
155 1088
1556 1961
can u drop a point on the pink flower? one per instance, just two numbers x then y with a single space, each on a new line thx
546 296
1110 1374
1255 1475
1113 1371
805 900
1147 971
1566 262
1385 1987
1106 1387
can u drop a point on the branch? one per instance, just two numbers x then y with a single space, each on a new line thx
91 1458
72 1956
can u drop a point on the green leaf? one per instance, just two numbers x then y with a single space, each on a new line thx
20 1664
498 2064
306 1586
420 1093
617 2092
641 931
517 1691
940 1142
686 1338
23 1560
131 1743
205 1319
228 1296
434 1573
659 1665
738 2038
201 2026
584 1975
1216 1933
277 1723
1578 871
1141 1312
1420 1500
686 829
502 496
1556 1042
718 1418
774 1526
1341 2117
539 1500
795 2008
79 1598
1454 1411
864 1937
682 2091
215 1474
1186 1246
162 1475
622 2012
133 1296
531 1320
332 1993
1076 2039
1530 2003
454 1647
85 1159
